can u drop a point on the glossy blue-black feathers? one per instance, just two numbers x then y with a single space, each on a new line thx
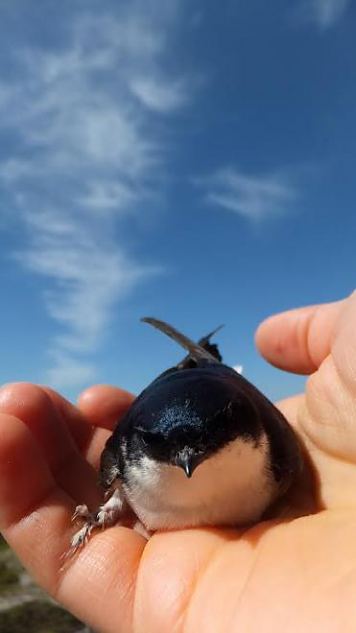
201 403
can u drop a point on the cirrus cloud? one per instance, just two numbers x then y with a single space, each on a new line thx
81 152
255 197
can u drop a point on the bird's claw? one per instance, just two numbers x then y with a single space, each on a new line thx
107 515
81 537
81 512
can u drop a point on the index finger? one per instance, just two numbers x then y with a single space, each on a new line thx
104 405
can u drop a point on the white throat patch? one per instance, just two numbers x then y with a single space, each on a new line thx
232 487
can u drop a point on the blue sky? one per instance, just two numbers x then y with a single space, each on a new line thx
187 160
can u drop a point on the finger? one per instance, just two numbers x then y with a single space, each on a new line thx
31 404
80 428
32 507
104 405
99 587
35 520
299 340
172 569
35 408
25 479
89 439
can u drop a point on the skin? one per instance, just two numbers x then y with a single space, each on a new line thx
295 572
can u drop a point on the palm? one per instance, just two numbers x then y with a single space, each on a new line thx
291 573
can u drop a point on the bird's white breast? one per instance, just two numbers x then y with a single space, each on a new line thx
232 487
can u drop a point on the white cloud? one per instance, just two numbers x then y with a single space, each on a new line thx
254 197
90 270
82 154
323 13
103 196
157 95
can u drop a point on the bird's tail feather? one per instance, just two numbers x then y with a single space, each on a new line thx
197 351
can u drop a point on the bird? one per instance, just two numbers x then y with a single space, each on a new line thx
200 446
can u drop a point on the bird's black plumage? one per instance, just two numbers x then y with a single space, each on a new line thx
204 404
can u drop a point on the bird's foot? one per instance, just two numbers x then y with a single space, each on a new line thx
110 511
81 537
82 512
107 515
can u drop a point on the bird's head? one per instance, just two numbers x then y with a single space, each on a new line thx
183 438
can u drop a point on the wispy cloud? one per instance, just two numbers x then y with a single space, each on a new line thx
82 153
254 197
323 13
158 95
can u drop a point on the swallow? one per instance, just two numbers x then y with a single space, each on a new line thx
200 446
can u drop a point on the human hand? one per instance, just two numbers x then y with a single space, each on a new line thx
293 574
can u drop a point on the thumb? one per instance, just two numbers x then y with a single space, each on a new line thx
300 339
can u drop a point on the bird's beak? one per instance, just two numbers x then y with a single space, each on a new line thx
187 459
